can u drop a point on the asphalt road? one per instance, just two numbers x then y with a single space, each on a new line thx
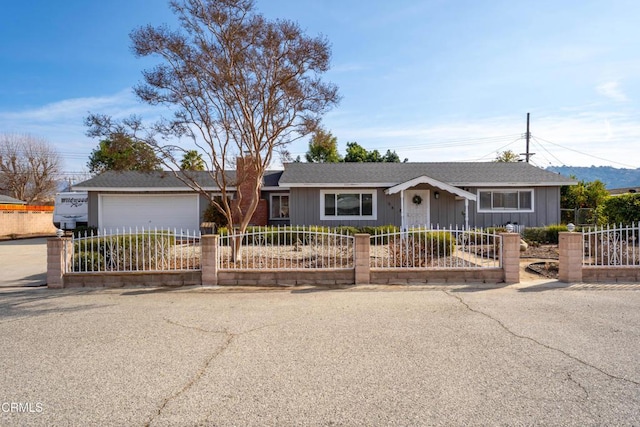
361 356
23 262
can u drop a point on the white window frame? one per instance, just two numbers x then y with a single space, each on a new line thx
506 190
271 196
360 191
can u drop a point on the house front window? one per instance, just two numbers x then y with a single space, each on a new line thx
336 205
505 200
279 206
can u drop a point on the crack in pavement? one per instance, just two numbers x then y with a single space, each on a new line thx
228 339
524 337
576 382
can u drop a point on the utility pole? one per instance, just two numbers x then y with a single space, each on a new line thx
527 155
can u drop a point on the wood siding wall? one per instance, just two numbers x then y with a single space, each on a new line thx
445 211
546 205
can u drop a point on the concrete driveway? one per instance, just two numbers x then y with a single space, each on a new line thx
23 262
362 356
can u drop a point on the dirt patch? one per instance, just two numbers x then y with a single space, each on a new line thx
547 269
541 252
538 262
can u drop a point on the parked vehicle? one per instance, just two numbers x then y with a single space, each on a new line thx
71 210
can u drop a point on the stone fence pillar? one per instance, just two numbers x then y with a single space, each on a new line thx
361 261
511 257
209 259
58 258
570 251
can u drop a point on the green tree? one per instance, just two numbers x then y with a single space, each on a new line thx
122 153
323 148
192 161
583 195
238 84
358 154
507 156
623 209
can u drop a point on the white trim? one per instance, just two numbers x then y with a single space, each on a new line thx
513 184
374 205
433 182
506 190
366 185
276 218
149 189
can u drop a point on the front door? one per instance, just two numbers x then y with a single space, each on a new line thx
416 208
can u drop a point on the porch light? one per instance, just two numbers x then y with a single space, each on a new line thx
436 195
571 227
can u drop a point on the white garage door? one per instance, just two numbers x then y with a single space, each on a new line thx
178 211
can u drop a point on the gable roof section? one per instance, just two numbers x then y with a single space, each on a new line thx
134 181
6 200
434 183
459 174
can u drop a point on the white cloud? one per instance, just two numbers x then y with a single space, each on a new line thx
576 138
612 91
62 122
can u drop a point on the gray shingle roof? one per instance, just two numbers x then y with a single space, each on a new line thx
158 180
454 173
6 200
327 174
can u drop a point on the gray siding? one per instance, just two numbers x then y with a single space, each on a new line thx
445 211
93 209
304 207
546 205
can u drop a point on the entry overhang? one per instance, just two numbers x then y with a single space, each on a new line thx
434 183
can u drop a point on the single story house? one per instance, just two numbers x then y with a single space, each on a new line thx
8 200
333 194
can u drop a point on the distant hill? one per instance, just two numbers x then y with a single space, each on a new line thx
610 176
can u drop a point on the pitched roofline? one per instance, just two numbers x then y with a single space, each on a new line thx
147 189
513 184
339 184
433 182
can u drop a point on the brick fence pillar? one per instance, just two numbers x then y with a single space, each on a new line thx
58 257
209 259
570 251
511 257
361 253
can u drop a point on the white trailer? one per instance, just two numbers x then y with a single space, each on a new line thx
71 210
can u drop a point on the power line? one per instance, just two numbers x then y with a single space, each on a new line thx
587 154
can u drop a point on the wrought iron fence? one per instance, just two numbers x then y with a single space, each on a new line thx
426 247
608 246
133 249
285 248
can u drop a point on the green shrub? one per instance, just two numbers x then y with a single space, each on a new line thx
128 252
438 243
543 235
623 209
88 261
83 231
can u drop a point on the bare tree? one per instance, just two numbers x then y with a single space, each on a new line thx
29 168
507 156
239 86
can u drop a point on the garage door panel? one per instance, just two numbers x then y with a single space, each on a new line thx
178 211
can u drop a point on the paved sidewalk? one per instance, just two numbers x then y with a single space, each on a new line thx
360 356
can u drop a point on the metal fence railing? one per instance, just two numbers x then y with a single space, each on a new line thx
426 247
285 248
608 246
133 249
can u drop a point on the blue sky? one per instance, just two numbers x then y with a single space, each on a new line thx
435 80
